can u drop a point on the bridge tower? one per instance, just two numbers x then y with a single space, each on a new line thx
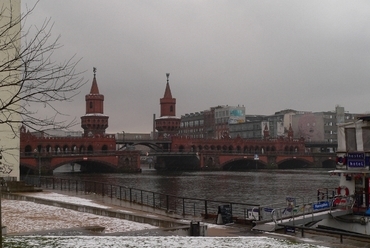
94 121
167 124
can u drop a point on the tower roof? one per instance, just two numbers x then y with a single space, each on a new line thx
94 86
167 92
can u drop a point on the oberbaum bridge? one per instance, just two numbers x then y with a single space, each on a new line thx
96 151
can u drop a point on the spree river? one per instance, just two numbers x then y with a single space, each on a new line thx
254 186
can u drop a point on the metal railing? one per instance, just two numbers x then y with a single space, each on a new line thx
184 206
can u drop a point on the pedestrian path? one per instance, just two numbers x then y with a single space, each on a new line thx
112 207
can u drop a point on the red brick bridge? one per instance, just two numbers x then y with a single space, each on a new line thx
96 153
183 153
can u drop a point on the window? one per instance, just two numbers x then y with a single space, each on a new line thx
91 105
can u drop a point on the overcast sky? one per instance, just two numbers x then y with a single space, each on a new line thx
265 55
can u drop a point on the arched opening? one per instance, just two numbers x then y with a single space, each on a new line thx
90 149
257 150
65 149
181 148
193 148
231 148
104 148
224 148
245 149
57 149
82 149
238 149
74 149
48 149
28 150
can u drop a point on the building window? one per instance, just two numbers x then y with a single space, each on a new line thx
171 108
91 105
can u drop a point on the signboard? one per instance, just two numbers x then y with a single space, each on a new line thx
225 212
321 205
356 159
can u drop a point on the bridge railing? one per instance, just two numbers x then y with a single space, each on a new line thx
184 206
69 153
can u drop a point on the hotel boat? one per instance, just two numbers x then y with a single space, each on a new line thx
353 162
345 208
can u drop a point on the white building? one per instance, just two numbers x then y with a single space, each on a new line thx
9 131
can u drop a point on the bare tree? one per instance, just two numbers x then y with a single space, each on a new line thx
30 77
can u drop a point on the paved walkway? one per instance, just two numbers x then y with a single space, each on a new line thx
114 204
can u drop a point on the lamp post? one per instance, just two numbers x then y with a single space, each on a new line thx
37 155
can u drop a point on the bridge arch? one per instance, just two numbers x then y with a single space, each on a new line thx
91 165
294 163
242 164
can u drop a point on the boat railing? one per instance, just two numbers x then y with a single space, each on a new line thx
309 211
342 202
281 209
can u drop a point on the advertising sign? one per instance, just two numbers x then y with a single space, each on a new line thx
236 116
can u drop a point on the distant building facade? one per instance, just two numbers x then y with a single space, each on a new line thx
192 125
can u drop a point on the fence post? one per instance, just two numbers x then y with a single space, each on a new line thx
167 203
120 192
205 210
61 184
111 191
153 200
53 184
130 194
102 189
76 186
141 196
183 206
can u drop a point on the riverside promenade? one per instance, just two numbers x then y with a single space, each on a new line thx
165 223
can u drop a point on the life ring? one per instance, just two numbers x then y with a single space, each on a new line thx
346 190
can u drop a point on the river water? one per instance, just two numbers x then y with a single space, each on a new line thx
254 187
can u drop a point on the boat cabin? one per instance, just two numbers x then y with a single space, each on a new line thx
353 161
